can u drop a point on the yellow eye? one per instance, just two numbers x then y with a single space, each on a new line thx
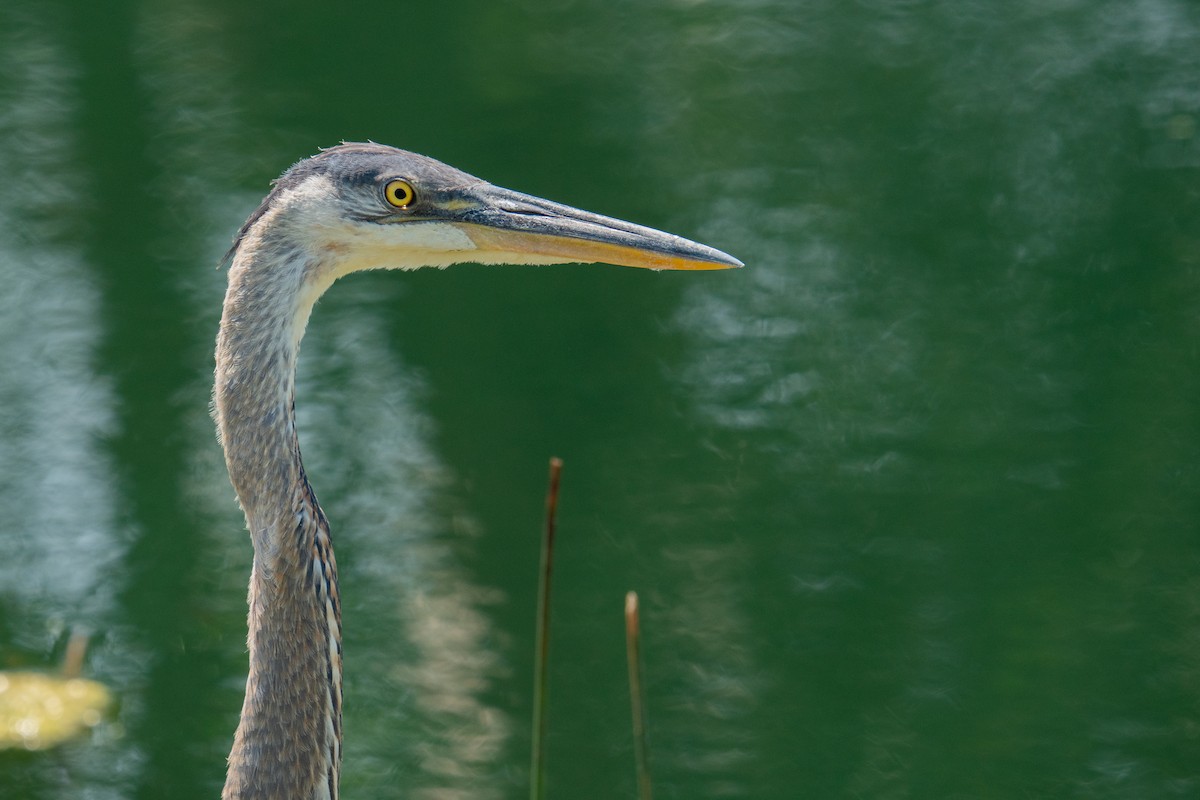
399 193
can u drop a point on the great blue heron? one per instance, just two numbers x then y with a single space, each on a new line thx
351 207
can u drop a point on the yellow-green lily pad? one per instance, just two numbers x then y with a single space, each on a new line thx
38 711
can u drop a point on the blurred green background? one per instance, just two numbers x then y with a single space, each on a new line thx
912 501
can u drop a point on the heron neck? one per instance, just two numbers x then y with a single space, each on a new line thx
262 321
288 743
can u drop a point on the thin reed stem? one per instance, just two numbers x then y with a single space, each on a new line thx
537 777
633 648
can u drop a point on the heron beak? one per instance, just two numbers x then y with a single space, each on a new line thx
505 222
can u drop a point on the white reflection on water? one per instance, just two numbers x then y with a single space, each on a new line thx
53 409
419 652
60 539
720 686
859 306
907 327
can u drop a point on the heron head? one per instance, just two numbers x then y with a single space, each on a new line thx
368 206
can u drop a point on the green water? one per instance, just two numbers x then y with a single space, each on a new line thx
912 501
